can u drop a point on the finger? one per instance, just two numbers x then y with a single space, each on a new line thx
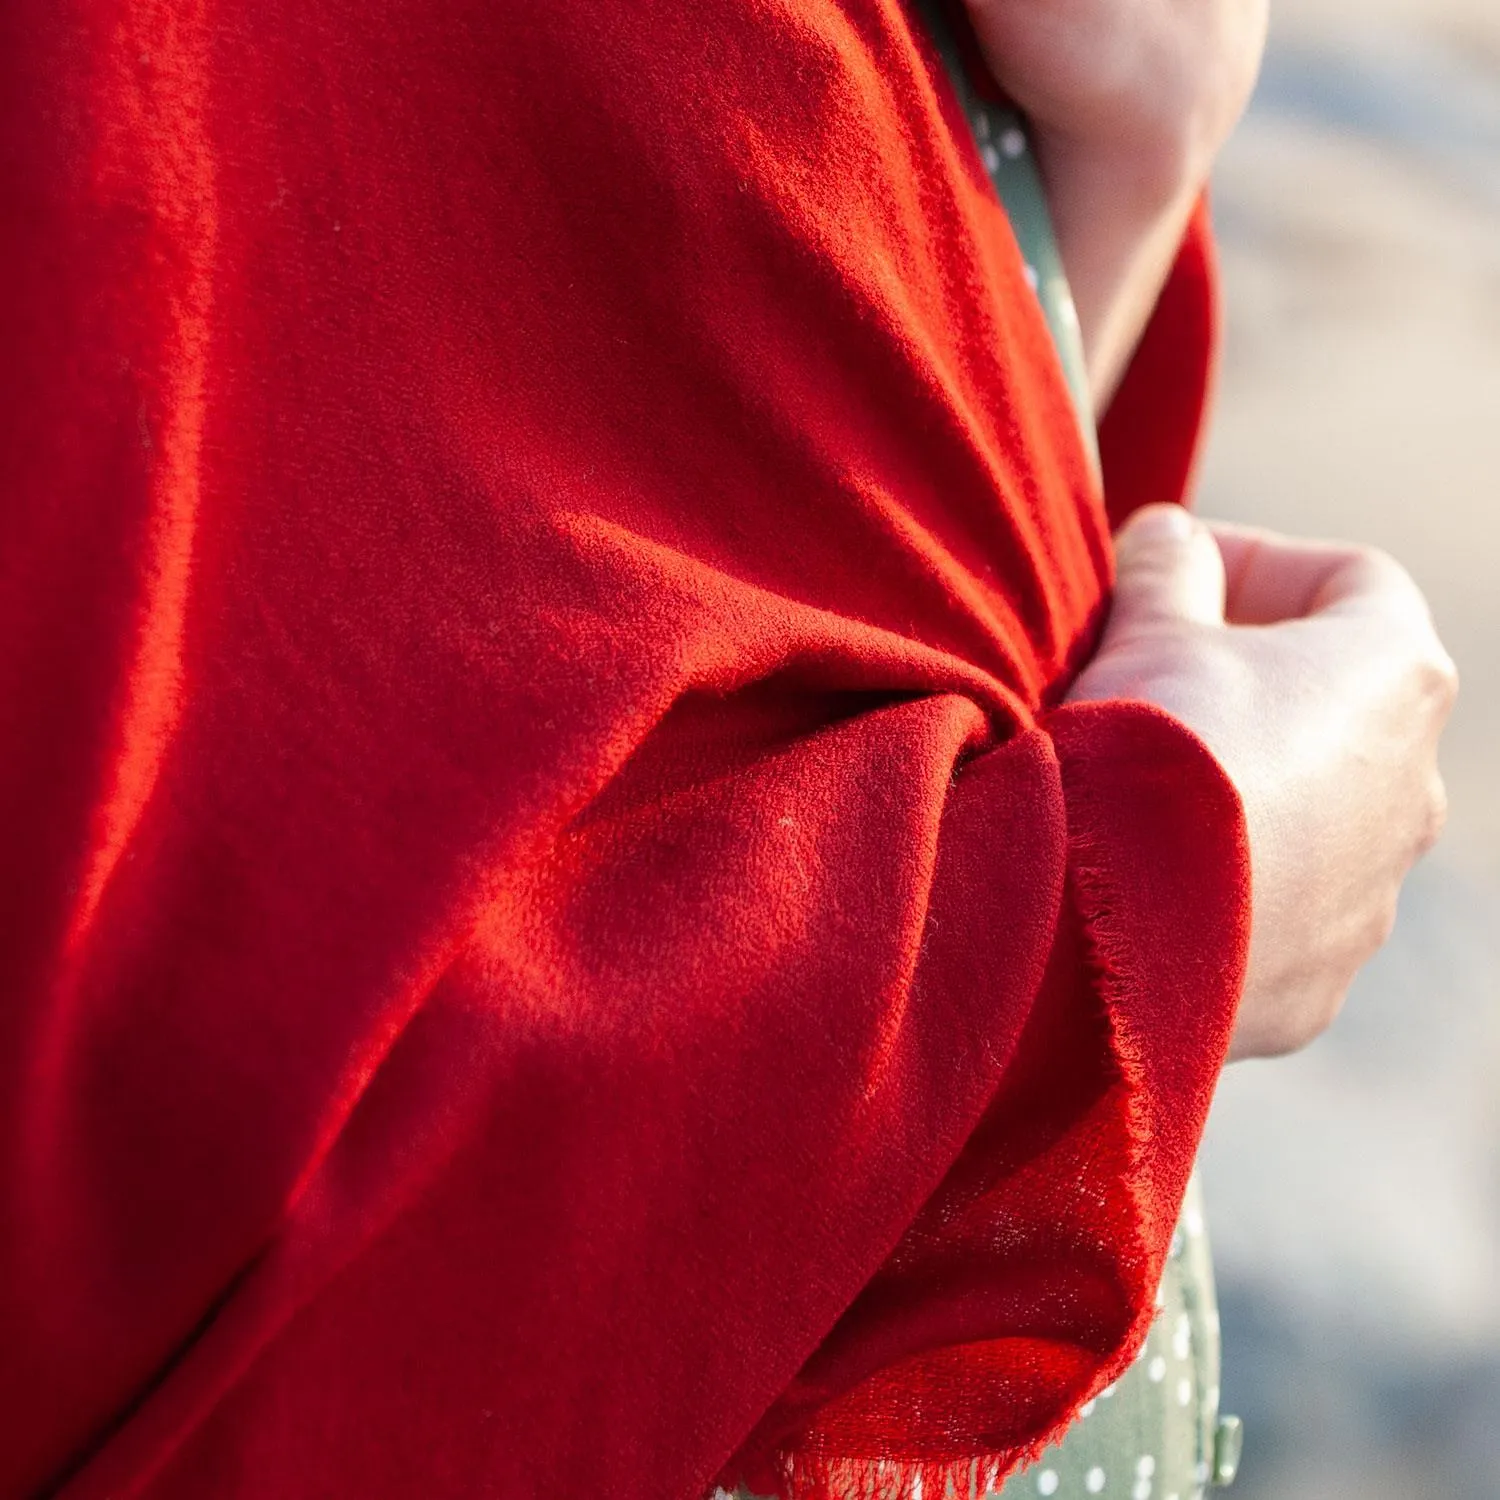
1166 568
1271 578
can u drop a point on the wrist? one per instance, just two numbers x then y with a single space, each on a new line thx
1119 218
1138 176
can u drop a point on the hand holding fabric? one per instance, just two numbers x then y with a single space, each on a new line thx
550 906
1314 673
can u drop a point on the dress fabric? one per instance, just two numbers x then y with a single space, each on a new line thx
1157 1431
1153 1434
559 937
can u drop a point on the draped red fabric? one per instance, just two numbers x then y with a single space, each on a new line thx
553 929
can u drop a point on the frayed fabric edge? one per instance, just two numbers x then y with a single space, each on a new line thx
804 1476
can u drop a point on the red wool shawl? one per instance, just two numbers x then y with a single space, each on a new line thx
555 938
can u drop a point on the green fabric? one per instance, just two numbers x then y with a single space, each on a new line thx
1156 1433
1005 150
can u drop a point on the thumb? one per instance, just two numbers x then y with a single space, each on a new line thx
1167 567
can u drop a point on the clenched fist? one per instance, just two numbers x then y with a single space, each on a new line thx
1313 673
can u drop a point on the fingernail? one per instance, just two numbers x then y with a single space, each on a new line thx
1174 522
1163 523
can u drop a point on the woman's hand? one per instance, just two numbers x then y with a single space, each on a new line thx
1313 673
1129 102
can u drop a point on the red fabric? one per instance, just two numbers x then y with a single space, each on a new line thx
1148 438
548 923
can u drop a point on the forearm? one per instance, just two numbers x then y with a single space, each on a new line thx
1129 102
1118 232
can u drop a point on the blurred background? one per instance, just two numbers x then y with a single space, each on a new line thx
1354 1191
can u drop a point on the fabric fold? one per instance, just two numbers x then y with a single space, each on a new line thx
1027 1283
597 855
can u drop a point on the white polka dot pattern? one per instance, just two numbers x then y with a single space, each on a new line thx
1182 1337
1144 1442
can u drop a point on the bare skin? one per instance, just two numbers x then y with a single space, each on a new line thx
1129 102
1310 670
1313 673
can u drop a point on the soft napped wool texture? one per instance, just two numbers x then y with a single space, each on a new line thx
558 938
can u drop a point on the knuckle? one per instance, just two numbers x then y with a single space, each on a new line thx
1436 816
1447 682
1405 600
1381 565
1378 557
1378 566
1379 927
1436 678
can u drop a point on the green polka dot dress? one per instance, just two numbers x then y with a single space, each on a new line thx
1156 1434
1000 135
